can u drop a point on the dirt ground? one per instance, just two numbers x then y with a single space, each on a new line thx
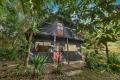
77 71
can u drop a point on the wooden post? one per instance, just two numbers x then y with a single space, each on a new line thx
54 46
80 48
54 39
67 52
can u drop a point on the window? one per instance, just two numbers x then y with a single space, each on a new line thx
71 47
42 46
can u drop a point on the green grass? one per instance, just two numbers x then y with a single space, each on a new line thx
95 75
114 46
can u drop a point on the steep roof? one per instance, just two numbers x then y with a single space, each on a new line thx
50 29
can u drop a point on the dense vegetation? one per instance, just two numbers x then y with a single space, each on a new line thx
97 20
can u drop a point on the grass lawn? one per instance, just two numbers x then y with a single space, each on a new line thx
114 46
96 75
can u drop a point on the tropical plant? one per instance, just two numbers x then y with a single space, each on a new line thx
92 61
38 64
114 62
106 33
19 15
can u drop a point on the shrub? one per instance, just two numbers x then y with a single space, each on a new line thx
14 54
11 54
4 53
38 64
114 61
92 61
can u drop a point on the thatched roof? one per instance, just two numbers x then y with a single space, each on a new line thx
49 27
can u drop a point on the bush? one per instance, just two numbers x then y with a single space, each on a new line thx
9 54
4 52
92 61
113 65
38 64
114 61
14 54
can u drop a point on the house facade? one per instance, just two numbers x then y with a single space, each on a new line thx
57 33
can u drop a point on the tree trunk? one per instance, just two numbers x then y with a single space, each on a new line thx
29 47
107 54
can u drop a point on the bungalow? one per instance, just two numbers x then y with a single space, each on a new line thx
57 33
